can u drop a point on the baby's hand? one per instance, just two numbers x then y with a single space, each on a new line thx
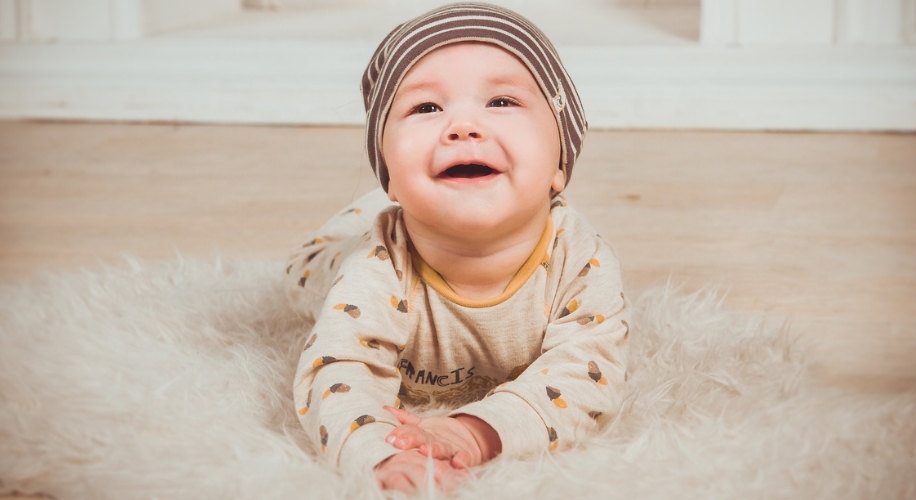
406 472
464 441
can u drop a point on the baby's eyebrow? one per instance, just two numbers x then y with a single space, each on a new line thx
513 82
413 87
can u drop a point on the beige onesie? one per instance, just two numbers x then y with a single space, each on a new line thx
544 363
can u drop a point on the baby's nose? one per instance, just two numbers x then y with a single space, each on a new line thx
464 130
454 136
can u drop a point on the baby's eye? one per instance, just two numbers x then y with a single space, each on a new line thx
428 108
501 102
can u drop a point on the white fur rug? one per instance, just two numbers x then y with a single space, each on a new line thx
172 380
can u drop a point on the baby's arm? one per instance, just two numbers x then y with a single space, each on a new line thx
578 380
347 370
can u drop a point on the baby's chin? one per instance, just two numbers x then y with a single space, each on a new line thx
474 222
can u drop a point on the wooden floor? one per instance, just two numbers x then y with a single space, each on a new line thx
818 229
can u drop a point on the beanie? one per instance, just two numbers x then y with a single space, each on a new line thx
470 22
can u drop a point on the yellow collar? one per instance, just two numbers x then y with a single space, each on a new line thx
434 279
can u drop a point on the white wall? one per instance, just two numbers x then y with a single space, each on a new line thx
56 20
9 21
103 20
164 15
785 22
873 21
758 64
723 22
808 22
295 4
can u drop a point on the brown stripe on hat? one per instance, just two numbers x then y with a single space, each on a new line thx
470 22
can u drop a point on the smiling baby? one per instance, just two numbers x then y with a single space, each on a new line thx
467 280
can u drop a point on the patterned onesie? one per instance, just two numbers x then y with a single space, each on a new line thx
544 363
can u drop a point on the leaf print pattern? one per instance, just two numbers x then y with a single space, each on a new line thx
400 305
361 421
556 239
595 374
324 360
350 309
380 251
371 344
308 403
312 256
570 308
554 394
552 436
339 387
591 263
588 319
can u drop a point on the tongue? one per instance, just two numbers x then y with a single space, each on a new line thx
469 171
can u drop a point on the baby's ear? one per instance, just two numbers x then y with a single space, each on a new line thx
559 181
391 192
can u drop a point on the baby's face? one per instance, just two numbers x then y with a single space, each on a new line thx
470 141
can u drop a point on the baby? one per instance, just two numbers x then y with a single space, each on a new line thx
480 289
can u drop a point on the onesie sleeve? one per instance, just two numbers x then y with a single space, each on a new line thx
313 267
347 371
577 383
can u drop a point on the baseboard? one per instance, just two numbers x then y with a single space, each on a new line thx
307 82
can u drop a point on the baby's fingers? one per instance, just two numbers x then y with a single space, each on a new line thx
397 481
403 416
461 460
447 478
407 437
438 450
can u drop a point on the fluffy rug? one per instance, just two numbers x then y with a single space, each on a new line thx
172 380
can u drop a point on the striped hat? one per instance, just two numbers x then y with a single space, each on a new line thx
470 22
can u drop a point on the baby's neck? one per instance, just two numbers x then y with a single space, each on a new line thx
477 267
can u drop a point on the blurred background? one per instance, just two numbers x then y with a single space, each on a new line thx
639 64
764 146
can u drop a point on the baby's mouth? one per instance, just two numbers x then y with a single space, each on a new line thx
468 171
